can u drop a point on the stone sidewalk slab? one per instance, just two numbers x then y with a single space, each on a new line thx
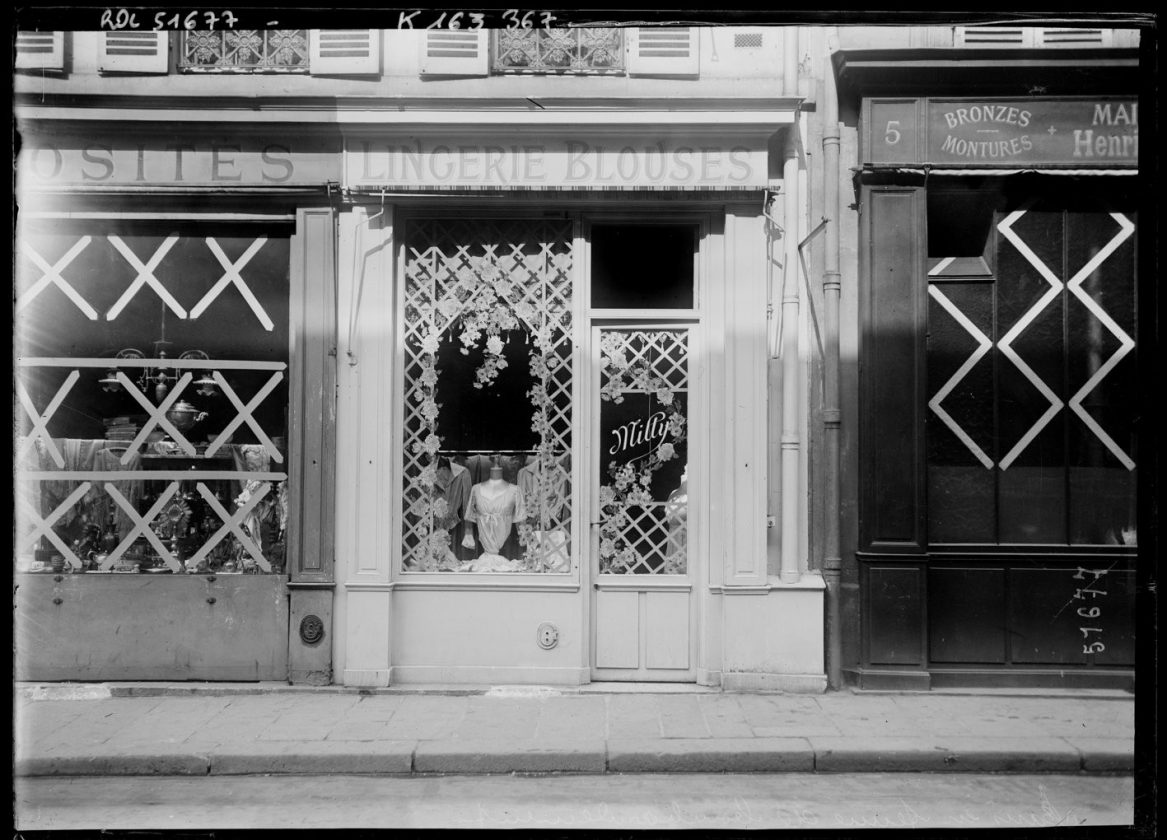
95 731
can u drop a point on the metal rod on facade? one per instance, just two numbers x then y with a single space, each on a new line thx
832 418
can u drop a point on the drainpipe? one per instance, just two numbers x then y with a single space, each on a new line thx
790 442
832 417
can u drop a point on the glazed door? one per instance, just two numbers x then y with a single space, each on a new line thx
642 581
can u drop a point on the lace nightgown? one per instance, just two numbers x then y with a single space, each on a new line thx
494 515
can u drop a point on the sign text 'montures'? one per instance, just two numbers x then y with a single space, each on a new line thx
1087 132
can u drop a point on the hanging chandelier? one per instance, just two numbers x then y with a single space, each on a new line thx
161 376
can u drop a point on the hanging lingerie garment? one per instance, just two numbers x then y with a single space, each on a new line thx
452 483
546 507
495 515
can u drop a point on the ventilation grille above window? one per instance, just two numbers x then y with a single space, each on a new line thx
1080 37
1030 36
747 40
40 51
993 36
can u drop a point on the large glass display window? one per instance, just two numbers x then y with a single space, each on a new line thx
487 385
152 393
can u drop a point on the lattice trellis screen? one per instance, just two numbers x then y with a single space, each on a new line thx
643 526
517 270
108 476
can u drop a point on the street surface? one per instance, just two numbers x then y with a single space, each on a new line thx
646 801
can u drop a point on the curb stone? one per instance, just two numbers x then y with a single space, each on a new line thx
487 757
359 757
712 755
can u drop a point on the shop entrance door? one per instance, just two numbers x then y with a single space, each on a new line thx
642 611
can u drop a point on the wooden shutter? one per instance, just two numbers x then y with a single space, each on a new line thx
134 52
894 307
662 51
455 53
40 51
344 52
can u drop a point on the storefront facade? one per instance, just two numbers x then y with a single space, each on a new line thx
995 324
483 393
766 358
168 319
585 313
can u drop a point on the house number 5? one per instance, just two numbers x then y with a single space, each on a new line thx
892 135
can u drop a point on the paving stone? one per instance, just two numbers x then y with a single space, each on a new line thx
711 755
681 717
573 718
427 717
376 707
358 730
633 716
499 718
315 758
724 717
489 757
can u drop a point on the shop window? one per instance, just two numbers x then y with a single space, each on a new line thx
487 394
152 388
638 266
1030 371
960 232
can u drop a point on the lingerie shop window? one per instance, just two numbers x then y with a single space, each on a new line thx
488 378
152 391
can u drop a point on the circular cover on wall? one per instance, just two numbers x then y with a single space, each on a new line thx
311 629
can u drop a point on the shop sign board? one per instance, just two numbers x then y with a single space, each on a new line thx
996 132
129 158
581 162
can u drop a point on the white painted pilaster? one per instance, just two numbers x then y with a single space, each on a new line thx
746 376
366 333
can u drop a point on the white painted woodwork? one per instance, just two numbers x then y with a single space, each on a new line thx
455 53
667 631
344 52
746 375
134 52
617 629
662 50
40 51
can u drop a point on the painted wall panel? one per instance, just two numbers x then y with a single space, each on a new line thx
666 630
107 627
895 615
618 630
966 615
